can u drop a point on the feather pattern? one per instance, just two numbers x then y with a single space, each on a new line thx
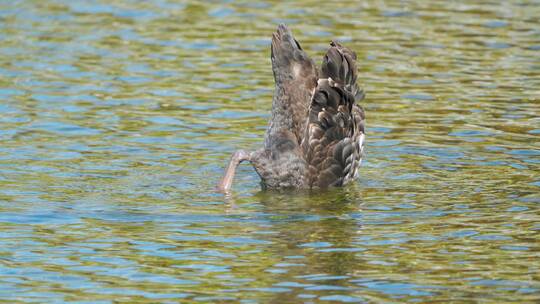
333 142
315 136
295 76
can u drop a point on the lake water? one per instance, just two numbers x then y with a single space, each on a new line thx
118 117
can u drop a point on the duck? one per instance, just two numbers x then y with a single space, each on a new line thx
316 132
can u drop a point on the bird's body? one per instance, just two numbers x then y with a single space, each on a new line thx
315 137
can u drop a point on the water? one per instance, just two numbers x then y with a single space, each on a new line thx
117 118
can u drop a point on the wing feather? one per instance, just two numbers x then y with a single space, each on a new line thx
333 141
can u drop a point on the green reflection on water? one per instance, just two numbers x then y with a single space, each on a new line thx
117 118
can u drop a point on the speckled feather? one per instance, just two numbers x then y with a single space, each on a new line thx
333 143
331 139
315 136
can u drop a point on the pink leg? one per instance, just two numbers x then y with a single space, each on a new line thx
226 182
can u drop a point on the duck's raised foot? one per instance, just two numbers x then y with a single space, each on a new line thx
225 184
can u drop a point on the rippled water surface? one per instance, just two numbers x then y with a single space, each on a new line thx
117 118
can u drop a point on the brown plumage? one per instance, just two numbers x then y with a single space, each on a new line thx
315 137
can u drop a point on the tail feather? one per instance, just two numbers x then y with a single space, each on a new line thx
295 76
285 52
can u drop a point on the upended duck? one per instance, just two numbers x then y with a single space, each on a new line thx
315 137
